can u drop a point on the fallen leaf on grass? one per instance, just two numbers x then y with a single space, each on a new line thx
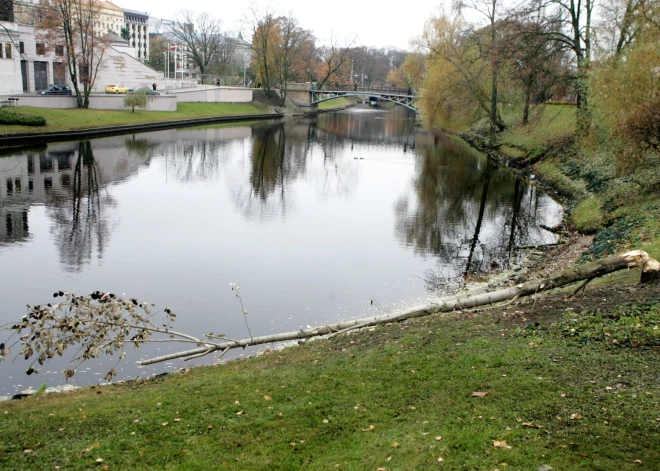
99 460
575 416
438 438
479 394
531 424
164 424
395 444
240 413
177 420
267 398
325 421
209 427
371 427
499 444
27 452
440 460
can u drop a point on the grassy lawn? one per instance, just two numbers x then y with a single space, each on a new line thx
336 103
547 123
62 120
397 397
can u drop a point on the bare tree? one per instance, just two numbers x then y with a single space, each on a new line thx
69 24
332 58
575 32
490 51
201 36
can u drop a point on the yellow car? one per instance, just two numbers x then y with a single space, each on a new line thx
116 89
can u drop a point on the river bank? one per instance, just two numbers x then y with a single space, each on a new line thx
567 383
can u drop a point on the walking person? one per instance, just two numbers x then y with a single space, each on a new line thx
217 82
154 86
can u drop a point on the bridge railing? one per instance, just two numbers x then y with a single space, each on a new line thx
370 89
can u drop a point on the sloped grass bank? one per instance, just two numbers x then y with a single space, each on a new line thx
71 119
397 397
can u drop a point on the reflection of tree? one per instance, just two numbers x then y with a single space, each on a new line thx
81 225
195 160
139 147
278 157
469 212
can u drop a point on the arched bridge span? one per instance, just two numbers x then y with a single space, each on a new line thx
402 96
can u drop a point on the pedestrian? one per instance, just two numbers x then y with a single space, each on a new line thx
217 82
355 86
154 86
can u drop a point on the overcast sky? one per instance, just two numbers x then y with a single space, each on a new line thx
373 23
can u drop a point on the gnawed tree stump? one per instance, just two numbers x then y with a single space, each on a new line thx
651 272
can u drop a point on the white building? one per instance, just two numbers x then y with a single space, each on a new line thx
137 24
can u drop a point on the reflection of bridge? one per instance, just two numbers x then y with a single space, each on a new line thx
402 96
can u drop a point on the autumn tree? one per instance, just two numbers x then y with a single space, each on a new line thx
157 52
490 48
288 42
626 90
410 74
201 36
263 26
333 60
459 75
69 24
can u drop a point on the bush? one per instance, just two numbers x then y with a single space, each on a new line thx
139 99
7 117
640 132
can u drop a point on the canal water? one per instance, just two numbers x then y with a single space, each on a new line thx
316 220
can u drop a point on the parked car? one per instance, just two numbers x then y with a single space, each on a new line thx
145 90
55 90
116 89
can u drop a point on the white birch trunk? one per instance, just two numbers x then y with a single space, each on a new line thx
588 271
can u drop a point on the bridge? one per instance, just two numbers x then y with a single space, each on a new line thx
308 98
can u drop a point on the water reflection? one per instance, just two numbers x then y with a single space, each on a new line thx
80 220
313 218
469 212
71 183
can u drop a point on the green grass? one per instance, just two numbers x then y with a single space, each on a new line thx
339 102
587 216
62 120
377 399
547 123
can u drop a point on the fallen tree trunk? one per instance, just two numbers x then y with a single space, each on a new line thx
636 258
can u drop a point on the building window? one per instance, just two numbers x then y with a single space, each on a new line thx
8 51
0 51
41 49
21 47
59 50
